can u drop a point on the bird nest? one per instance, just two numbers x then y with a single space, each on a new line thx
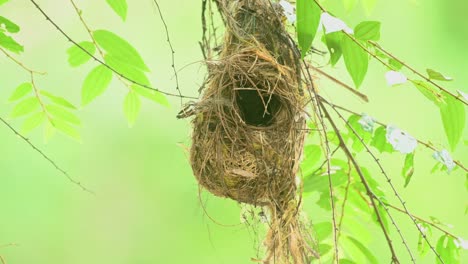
249 125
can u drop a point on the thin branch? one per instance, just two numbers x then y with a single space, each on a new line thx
389 181
371 195
171 47
458 97
314 98
342 84
62 171
101 61
423 221
425 144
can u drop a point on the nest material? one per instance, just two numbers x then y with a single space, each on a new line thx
249 128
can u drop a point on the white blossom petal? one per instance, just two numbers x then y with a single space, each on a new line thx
464 95
333 24
400 141
289 11
462 243
367 122
444 157
394 78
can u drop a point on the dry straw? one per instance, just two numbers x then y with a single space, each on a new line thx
249 125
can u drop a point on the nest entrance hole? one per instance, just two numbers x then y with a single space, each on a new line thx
252 106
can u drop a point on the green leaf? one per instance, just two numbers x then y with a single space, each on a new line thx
20 91
367 30
120 7
395 64
130 72
9 25
346 261
324 249
77 57
64 115
95 84
379 141
453 118
120 49
66 129
58 100
422 244
356 60
132 106
323 230
333 41
49 131
428 91
366 136
434 75
308 18
10 44
364 250
448 250
152 95
3 1
32 122
312 153
25 107
408 168
319 181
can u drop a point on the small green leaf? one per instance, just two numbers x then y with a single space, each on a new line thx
366 136
49 131
422 244
10 44
434 75
308 18
379 141
120 49
395 64
152 95
312 153
25 107
324 249
428 91
448 250
32 122
61 113
356 60
453 118
20 91
364 250
9 25
333 41
120 7
66 129
132 106
77 57
323 230
346 261
3 1
130 72
58 100
95 84
367 30
408 168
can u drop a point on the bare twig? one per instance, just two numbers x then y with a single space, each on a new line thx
101 61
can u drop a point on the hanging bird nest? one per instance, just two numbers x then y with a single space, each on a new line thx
249 125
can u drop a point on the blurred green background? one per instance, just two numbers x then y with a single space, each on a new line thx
147 208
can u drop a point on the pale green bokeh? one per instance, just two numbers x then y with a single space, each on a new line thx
147 208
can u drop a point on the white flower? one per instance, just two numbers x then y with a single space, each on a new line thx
367 122
289 11
462 243
444 157
400 141
464 95
333 24
394 78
